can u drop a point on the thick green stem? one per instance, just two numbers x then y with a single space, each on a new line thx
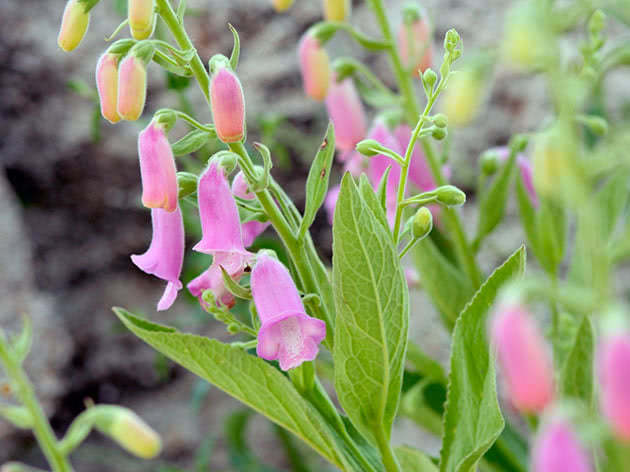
387 453
41 428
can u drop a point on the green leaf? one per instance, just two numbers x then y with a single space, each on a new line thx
527 213
576 379
448 288
473 420
192 142
317 181
412 460
247 378
494 200
612 199
372 304
551 224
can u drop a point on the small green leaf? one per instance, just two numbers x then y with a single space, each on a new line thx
473 420
317 181
192 142
412 460
576 379
448 288
551 225
247 378
372 304
236 50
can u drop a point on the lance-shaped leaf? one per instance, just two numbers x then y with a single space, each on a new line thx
317 181
372 305
473 420
247 378
576 379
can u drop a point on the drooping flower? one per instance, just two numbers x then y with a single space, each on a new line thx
165 255
337 10
228 105
157 168
107 86
251 229
614 372
132 87
557 449
524 358
221 235
315 67
414 42
347 114
287 333
141 18
74 24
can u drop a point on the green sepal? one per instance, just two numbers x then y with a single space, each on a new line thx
234 288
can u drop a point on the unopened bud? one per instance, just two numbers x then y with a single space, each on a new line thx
337 10
368 147
489 161
315 67
439 133
450 195
132 87
429 78
422 223
281 5
228 105
74 24
107 86
227 161
132 433
614 371
451 39
141 18
414 41
597 22
440 120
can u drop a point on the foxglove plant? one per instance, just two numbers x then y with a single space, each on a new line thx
350 325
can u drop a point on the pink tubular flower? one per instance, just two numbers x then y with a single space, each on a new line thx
252 229
107 86
222 238
346 112
414 42
379 163
132 87
315 67
74 24
524 358
228 105
557 450
157 169
287 333
614 372
141 18
165 255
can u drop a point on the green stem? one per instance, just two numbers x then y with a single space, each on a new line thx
387 453
41 427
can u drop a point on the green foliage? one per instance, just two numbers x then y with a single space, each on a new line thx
372 311
412 460
473 420
576 379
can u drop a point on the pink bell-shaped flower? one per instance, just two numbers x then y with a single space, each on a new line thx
287 333
251 229
315 67
614 374
107 86
157 168
141 18
346 112
165 255
379 163
524 358
228 105
557 449
74 24
414 42
132 87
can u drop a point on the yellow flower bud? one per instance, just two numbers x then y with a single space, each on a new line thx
74 24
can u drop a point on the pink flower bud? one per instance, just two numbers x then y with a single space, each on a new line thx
74 24
281 5
558 450
347 113
337 10
614 372
141 18
414 42
287 333
252 229
379 163
165 255
132 87
107 86
157 168
524 358
228 105
315 67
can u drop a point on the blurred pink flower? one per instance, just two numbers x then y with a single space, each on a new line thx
346 112
415 46
614 371
557 449
315 67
